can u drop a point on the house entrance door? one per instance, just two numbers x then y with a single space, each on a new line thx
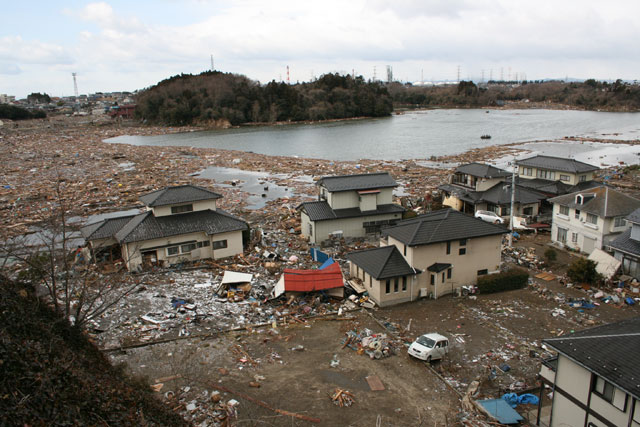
149 259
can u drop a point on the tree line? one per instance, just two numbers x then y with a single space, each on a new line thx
213 95
13 112
588 95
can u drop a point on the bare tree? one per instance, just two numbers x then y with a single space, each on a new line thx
47 258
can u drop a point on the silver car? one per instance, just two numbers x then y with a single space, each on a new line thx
489 216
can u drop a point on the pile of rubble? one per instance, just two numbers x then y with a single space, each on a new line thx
376 346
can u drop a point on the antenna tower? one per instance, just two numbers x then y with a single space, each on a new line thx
288 80
75 84
212 68
374 73
389 74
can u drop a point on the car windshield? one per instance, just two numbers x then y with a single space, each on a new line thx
427 342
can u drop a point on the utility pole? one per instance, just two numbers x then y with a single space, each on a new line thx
513 201
75 84
288 80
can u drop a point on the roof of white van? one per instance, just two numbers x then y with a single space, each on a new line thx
435 336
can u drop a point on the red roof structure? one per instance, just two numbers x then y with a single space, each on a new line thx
313 280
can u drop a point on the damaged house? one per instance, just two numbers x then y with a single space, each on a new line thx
179 224
350 206
590 219
626 247
429 255
478 186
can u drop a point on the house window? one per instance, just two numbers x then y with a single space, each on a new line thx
527 171
173 250
405 250
564 177
219 244
388 286
604 389
619 221
545 174
483 272
562 235
462 251
396 284
433 279
443 277
404 283
564 210
577 214
448 248
574 237
583 178
370 282
310 229
448 273
187 248
592 219
181 209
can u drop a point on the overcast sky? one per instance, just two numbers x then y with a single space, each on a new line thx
129 45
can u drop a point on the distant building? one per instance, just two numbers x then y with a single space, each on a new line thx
123 111
6 99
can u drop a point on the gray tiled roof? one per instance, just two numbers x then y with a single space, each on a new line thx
634 216
382 263
145 226
544 185
367 181
557 164
482 170
437 267
441 226
321 211
104 229
179 194
500 194
616 203
625 243
610 351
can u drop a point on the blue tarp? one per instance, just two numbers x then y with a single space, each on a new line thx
326 264
318 255
515 400
501 411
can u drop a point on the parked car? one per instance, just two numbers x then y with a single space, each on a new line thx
429 347
489 217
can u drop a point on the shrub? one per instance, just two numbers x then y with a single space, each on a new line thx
551 255
583 270
505 281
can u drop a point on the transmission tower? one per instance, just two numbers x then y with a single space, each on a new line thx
389 74
374 73
75 84
288 80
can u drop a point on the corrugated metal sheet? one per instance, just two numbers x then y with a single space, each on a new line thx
313 280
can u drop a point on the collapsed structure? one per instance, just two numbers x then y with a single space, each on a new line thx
179 224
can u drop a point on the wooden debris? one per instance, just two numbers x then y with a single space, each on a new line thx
343 398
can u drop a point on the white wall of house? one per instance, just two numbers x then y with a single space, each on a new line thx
575 380
407 289
343 200
350 227
480 254
200 205
581 233
132 252
351 199
453 202
484 184
368 202
527 172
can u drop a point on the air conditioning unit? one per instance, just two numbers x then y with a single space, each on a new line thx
424 292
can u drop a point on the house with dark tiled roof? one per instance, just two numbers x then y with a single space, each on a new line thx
350 206
590 219
626 247
478 186
179 224
430 255
595 378
555 175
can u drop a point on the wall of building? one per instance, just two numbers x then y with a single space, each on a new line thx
344 200
377 288
453 202
575 381
630 263
200 205
484 184
482 253
368 202
132 252
572 178
350 227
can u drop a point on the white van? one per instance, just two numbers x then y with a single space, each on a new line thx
429 347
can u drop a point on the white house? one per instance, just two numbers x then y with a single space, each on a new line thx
590 219
555 175
595 378
179 224
626 247
350 206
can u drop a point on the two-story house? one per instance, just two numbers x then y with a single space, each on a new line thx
590 219
179 224
596 377
478 186
430 255
554 176
626 247
350 206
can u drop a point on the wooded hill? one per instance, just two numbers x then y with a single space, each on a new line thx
213 95
590 95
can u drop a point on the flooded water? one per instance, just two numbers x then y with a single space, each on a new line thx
414 135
